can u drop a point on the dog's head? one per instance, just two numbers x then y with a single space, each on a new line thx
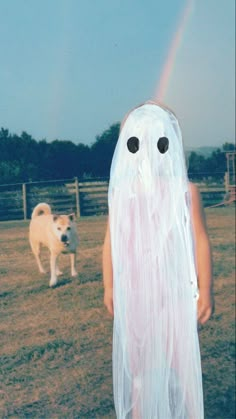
62 227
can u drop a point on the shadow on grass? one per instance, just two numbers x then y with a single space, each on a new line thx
106 407
36 290
45 287
7 294
6 299
55 350
62 283
94 277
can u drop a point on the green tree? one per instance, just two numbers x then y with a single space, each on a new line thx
196 166
102 151
228 147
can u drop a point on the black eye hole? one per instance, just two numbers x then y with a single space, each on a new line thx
163 144
133 144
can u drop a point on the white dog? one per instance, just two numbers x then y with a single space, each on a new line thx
58 233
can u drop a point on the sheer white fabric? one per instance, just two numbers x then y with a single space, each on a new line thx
156 359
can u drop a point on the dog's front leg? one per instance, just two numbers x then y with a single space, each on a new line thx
72 260
53 266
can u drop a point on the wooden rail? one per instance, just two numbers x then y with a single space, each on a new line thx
64 196
84 198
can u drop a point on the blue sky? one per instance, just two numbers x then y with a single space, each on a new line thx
71 68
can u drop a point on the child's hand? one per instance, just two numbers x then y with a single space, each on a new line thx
108 300
205 306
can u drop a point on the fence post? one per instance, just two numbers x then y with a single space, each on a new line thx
226 181
77 197
24 200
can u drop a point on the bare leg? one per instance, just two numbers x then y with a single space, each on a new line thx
136 414
72 260
35 246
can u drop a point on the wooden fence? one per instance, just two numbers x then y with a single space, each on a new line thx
66 196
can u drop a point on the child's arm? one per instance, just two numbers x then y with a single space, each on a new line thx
107 272
203 257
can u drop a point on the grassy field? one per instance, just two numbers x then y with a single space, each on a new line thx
55 344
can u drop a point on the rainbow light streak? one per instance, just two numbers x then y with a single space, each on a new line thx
171 57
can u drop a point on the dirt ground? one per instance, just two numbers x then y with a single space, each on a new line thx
55 345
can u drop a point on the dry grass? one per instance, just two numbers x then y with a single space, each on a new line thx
56 343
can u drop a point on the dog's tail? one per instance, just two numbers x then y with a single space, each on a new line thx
40 209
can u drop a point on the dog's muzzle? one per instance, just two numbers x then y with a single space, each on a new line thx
65 240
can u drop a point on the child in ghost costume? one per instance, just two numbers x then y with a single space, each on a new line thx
156 271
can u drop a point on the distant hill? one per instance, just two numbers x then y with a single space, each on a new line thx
205 151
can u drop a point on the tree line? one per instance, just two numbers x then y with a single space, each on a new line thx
23 159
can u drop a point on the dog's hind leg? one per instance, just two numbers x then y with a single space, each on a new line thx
72 261
58 271
35 246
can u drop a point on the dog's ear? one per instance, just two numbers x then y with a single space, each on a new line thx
71 217
55 217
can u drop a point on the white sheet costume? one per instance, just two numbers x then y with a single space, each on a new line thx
156 359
